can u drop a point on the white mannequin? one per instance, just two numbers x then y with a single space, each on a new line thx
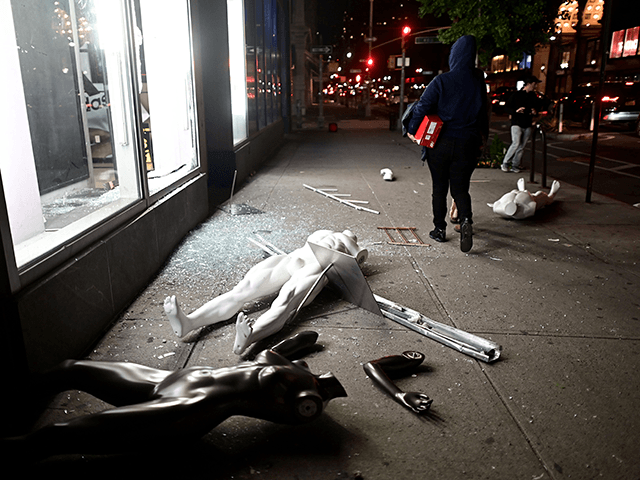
387 174
293 275
519 204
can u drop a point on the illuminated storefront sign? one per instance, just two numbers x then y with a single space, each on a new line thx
631 42
624 43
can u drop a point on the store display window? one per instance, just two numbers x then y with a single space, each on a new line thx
98 114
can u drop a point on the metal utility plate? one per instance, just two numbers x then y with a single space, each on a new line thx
346 276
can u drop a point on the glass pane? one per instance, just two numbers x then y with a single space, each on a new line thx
237 70
163 38
260 66
67 120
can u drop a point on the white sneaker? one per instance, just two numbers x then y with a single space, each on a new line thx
515 169
504 168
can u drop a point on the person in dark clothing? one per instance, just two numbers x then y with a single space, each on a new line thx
522 107
459 98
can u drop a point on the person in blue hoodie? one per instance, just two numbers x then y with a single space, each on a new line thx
459 98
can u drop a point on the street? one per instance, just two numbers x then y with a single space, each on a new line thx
617 167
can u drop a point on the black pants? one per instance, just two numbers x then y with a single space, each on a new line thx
451 163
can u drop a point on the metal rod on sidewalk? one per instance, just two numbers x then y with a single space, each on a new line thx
544 158
533 154
333 197
606 34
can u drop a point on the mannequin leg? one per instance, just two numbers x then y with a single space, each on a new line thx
282 309
261 280
117 383
121 429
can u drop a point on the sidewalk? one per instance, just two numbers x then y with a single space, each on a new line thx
558 291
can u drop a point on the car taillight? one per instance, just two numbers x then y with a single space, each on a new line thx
607 98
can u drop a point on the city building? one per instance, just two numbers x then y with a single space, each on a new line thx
574 54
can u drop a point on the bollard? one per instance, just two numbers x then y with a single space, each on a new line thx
560 117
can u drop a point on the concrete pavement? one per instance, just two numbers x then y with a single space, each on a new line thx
558 291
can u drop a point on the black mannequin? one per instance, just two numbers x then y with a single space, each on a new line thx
184 404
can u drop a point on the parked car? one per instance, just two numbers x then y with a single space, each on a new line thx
545 104
620 103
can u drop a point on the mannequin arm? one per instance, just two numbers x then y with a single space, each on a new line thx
377 370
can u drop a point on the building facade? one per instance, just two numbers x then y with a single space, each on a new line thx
124 124
574 54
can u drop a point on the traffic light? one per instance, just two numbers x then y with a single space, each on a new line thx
406 30
370 62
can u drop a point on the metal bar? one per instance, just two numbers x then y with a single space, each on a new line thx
544 159
333 197
406 241
452 337
386 230
313 287
266 248
413 231
532 177
271 245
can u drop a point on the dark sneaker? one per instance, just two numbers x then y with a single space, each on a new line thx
466 235
439 235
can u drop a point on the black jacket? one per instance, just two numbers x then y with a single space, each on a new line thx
528 100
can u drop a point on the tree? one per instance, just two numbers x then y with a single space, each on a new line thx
508 27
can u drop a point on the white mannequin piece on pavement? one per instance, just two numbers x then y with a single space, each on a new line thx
520 203
292 275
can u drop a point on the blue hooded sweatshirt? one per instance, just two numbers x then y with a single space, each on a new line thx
458 97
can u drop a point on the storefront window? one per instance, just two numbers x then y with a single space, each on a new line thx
166 91
73 103
237 69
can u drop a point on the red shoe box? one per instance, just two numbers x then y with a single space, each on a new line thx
428 131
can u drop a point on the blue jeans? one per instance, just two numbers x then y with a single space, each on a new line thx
451 163
519 138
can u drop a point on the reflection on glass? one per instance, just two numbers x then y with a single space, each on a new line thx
165 76
237 70
69 135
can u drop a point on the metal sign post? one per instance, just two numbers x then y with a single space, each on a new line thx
321 50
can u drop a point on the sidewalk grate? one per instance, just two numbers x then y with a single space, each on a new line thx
416 241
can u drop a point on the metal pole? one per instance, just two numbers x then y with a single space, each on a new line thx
367 83
544 159
606 45
320 97
533 153
560 118
402 86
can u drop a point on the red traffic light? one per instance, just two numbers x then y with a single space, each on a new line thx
370 62
406 30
